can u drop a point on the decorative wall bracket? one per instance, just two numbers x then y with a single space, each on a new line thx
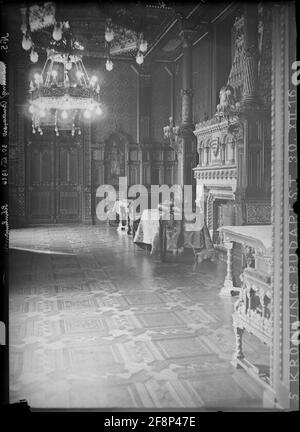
173 134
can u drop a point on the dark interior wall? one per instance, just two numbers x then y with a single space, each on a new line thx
160 101
223 34
119 95
202 78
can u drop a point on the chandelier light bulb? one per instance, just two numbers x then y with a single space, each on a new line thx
33 131
139 58
79 132
109 65
79 74
31 86
64 114
143 46
26 43
87 114
69 65
57 33
93 80
109 34
34 56
24 28
98 110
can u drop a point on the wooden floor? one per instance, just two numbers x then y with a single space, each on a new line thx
96 323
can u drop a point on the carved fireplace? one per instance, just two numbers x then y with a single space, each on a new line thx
233 172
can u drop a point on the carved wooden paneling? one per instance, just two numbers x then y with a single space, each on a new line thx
41 205
54 177
40 174
119 98
69 204
134 174
160 102
69 159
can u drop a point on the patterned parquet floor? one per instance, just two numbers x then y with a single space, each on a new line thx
96 323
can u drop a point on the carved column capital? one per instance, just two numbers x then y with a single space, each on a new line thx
187 37
187 92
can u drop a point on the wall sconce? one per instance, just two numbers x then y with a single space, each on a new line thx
173 134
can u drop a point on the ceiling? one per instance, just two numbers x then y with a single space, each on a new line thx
158 20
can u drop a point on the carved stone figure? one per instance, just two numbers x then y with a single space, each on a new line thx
227 101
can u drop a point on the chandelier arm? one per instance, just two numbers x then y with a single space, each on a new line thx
77 70
86 74
44 68
65 73
82 77
49 72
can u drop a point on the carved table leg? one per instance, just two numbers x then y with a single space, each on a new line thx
238 355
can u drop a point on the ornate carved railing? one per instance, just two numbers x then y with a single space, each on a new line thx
210 173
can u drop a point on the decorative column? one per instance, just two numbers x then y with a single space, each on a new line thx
144 116
87 168
186 129
250 54
145 106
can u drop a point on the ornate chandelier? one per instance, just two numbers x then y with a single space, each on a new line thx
120 40
63 92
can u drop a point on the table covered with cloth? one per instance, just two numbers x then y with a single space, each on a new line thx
177 233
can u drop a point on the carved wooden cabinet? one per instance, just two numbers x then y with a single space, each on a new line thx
252 310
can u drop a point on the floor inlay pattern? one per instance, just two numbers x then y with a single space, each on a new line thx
95 322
